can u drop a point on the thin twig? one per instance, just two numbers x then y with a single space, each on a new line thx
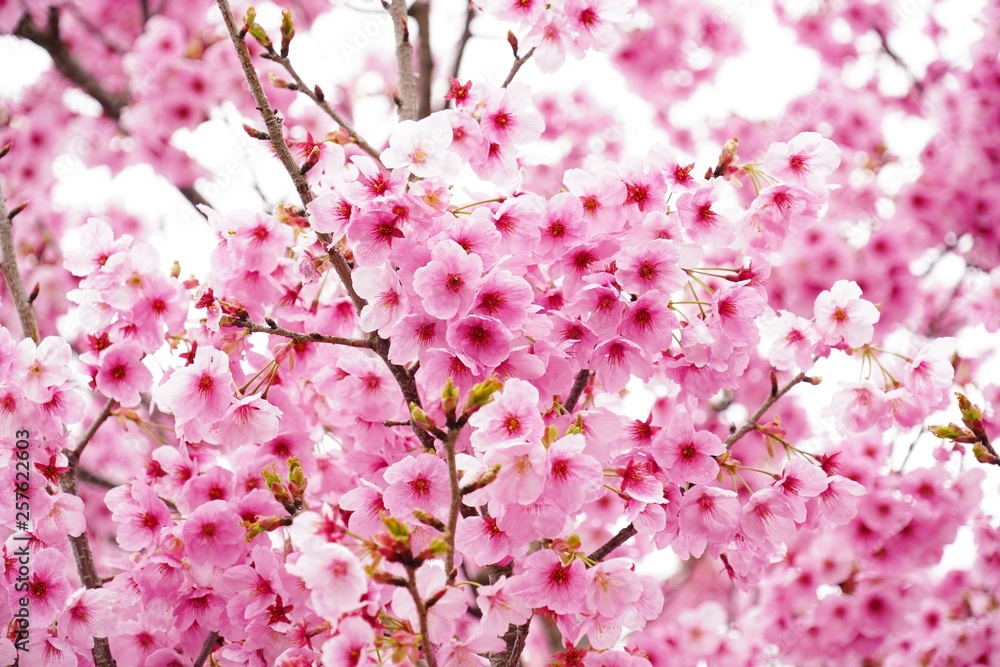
421 12
211 643
316 95
299 337
274 132
765 406
407 96
917 83
92 478
25 313
518 63
89 433
470 13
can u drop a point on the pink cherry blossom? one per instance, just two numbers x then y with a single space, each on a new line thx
448 284
842 315
416 482
549 582
686 455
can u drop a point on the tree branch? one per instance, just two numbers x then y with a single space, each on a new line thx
421 12
11 274
211 643
80 544
582 378
515 68
404 379
623 536
89 433
470 14
275 134
50 40
765 406
425 641
456 504
407 94
299 337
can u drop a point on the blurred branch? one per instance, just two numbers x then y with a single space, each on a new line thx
407 95
50 40
470 14
421 12
11 274
111 104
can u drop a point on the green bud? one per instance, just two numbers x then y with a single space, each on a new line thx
258 33
551 435
429 519
949 432
482 393
287 31
248 20
982 454
573 542
396 528
449 399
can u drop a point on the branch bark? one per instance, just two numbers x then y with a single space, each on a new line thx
207 648
421 12
582 378
623 536
407 90
11 274
299 337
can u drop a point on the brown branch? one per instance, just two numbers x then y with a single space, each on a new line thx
582 378
515 68
623 536
765 406
407 95
463 41
421 12
316 95
211 643
92 478
425 641
11 274
883 38
456 505
297 336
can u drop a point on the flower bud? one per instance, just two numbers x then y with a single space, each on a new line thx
287 31
449 399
